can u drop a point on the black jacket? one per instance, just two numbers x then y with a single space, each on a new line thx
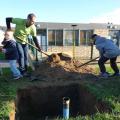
11 49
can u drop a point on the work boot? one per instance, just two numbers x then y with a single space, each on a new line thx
104 75
17 77
115 74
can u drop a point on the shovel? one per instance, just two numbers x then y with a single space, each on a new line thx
87 62
34 47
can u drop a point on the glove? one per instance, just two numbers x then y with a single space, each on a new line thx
39 49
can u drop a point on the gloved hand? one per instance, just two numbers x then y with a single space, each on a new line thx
39 49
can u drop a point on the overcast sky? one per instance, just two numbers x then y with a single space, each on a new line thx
67 11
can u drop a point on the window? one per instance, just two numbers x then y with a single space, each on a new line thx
59 37
69 36
85 36
55 37
51 37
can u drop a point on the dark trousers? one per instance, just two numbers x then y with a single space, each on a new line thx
23 57
113 64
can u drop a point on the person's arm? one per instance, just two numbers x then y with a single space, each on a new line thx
3 42
8 21
36 42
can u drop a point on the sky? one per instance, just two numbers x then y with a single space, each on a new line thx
65 11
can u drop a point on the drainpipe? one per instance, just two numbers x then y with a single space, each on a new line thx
66 102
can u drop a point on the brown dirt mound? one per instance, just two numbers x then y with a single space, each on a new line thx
58 57
61 67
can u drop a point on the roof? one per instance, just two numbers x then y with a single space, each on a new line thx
81 26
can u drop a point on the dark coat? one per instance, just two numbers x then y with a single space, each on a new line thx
11 49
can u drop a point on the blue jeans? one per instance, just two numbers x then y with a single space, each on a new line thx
14 68
23 57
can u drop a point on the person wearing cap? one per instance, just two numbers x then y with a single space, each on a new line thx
108 51
23 28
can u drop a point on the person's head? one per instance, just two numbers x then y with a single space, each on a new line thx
8 34
93 38
31 18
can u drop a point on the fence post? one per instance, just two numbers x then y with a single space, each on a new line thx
91 56
74 41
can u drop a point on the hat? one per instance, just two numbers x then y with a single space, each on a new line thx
93 36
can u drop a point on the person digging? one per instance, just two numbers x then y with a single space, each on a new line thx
107 51
23 28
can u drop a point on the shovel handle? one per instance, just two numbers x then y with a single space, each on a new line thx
33 46
44 53
87 62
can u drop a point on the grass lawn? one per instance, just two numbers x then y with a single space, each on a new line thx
104 89
2 56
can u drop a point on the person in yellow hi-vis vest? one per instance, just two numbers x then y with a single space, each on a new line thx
23 28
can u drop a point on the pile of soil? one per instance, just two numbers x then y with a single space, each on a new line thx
44 100
61 67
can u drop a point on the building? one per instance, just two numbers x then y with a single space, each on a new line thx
62 34
61 37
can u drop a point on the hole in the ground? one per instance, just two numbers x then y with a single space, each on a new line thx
40 102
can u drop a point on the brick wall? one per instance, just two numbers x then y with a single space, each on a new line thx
80 51
102 32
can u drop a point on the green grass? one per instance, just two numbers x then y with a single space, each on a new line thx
2 56
104 89
8 88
